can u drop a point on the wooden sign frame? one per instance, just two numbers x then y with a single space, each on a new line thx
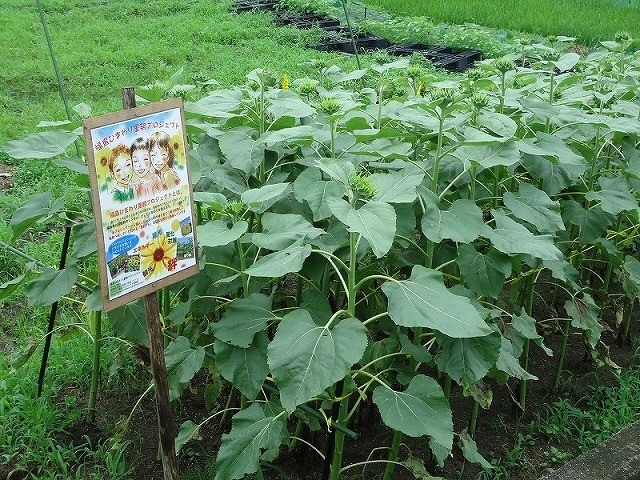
99 191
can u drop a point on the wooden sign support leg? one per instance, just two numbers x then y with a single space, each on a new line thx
158 366
159 370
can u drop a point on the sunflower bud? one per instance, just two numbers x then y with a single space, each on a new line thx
414 71
444 96
622 37
233 207
479 100
475 74
362 186
329 105
307 87
504 65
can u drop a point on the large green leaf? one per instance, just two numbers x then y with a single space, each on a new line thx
375 221
467 360
592 222
614 195
306 358
470 450
52 285
253 430
487 156
84 240
525 325
36 210
338 169
397 187
217 233
310 187
238 147
630 277
45 144
285 103
10 286
483 273
511 237
508 362
424 301
260 199
183 362
245 368
280 263
420 410
281 230
461 223
243 319
534 206
129 322
555 176
187 431
584 315
498 123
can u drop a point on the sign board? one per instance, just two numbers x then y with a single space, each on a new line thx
138 163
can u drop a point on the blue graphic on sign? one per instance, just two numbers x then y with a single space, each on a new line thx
122 245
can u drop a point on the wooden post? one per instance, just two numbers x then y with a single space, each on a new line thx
158 366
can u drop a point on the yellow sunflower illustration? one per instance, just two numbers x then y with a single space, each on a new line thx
157 256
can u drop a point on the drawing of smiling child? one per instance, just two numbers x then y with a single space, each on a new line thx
121 171
147 183
162 159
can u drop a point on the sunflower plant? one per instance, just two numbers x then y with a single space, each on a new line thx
361 248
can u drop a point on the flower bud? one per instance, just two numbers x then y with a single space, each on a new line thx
329 105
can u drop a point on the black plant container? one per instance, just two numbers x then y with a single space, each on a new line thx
363 42
249 5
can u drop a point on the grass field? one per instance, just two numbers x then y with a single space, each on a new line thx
589 20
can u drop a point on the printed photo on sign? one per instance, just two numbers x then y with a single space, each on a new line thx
145 203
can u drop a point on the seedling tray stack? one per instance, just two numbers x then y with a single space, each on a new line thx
337 37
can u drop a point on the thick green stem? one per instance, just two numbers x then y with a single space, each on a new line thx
503 91
436 165
243 266
296 435
447 386
472 185
95 318
393 455
528 306
626 322
338 448
332 127
496 185
353 246
336 462
525 365
473 423
563 349
434 180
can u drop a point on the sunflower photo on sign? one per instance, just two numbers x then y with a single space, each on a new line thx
142 199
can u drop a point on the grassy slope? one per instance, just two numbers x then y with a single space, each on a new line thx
589 20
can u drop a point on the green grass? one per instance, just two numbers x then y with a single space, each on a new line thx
589 20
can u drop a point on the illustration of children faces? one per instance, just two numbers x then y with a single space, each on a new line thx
159 157
122 169
141 162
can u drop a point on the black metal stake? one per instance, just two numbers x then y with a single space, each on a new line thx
52 314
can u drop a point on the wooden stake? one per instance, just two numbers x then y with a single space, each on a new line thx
158 366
